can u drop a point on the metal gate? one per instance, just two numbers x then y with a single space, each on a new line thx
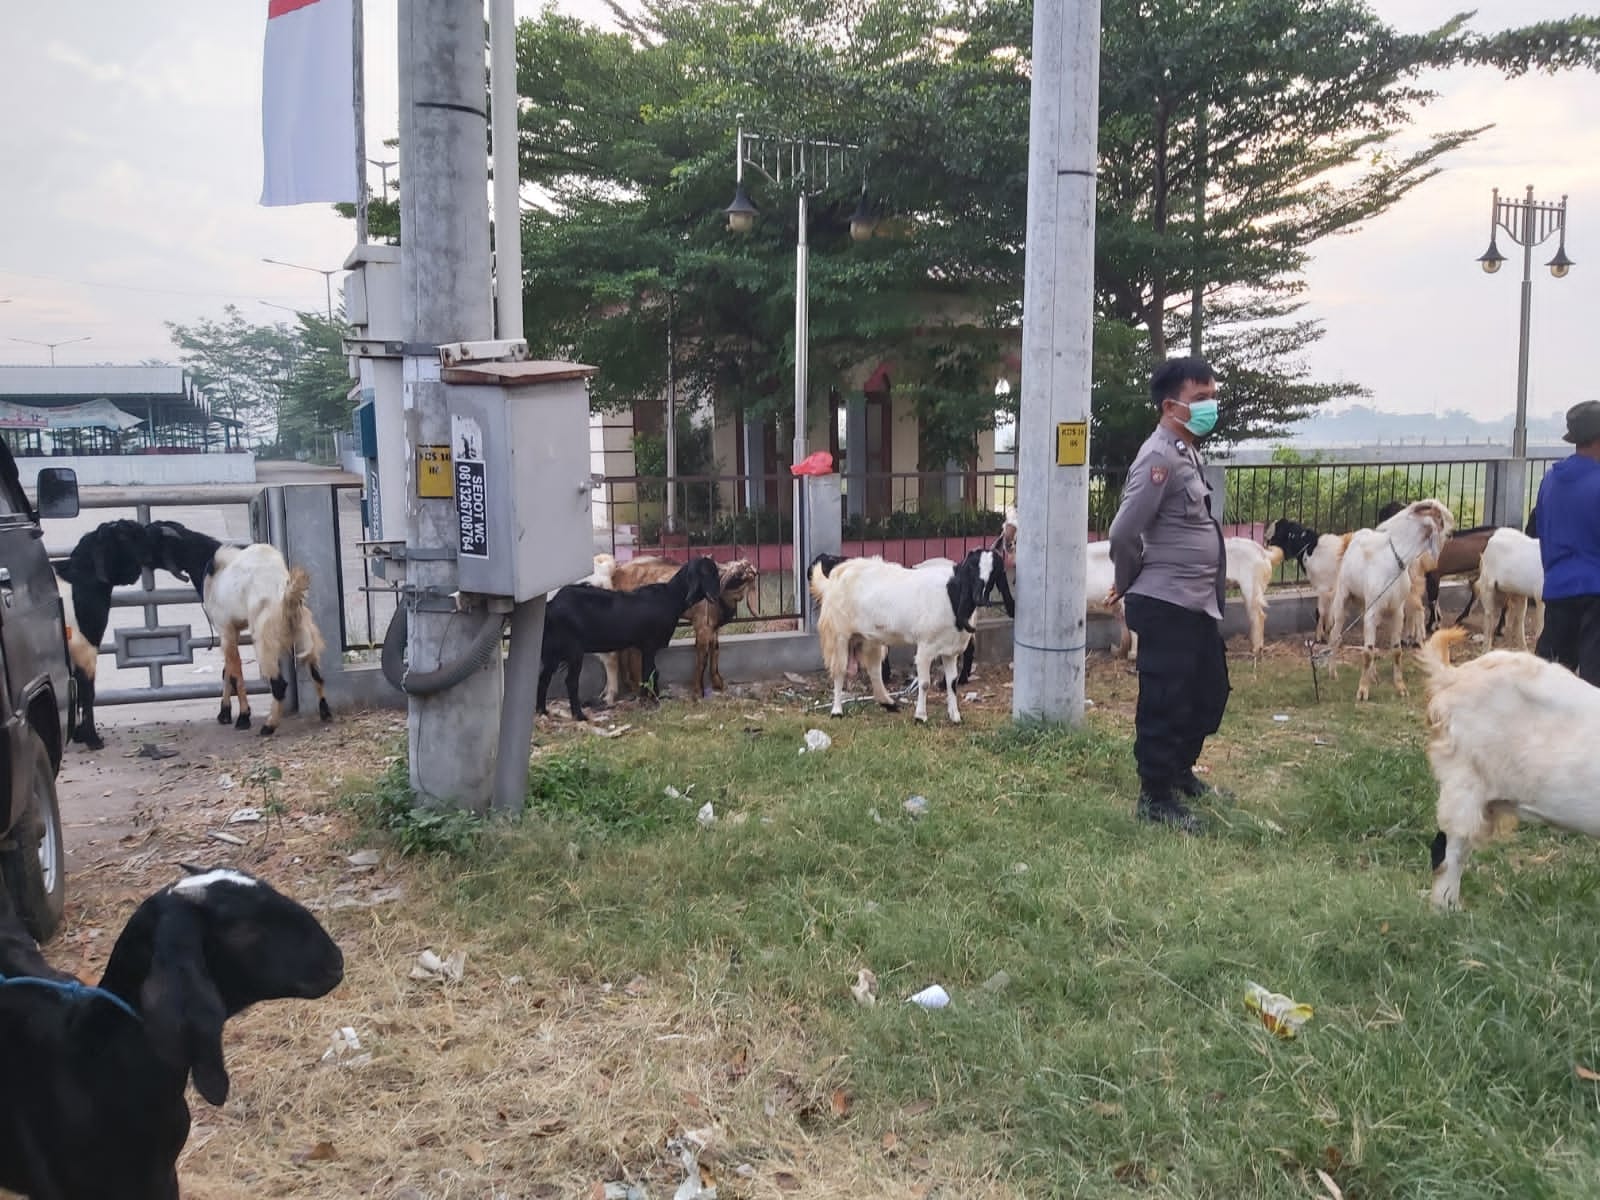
165 643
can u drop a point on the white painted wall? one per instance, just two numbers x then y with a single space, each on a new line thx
150 470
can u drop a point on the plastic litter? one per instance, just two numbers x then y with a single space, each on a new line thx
707 816
816 742
917 806
818 463
1278 1012
865 988
932 996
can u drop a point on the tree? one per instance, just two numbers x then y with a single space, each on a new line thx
241 366
287 386
1234 136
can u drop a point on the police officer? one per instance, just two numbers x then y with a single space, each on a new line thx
1170 569
1568 515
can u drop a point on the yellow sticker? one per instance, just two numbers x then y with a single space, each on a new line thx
1072 443
434 480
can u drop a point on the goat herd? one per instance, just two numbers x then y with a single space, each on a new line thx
92 1097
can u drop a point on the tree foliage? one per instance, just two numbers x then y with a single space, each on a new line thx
286 385
1234 136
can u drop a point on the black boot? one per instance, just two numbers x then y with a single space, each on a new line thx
1192 787
1161 807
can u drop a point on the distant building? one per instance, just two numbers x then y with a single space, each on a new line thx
119 425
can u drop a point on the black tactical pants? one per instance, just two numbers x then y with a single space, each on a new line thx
1183 689
1571 635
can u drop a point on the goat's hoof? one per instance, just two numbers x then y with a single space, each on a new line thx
243 722
920 720
324 711
716 682
267 730
92 741
225 717
888 707
837 714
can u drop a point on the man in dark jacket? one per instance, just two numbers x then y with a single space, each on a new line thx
1171 571
1569 546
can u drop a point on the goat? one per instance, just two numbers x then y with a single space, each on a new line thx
706 617
583 619
92 1098
1319 555
1512 577
884 604
1249 567
1508 738
1099 579
111 554
249 587
1377 571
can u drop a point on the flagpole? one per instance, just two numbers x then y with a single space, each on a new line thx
358 83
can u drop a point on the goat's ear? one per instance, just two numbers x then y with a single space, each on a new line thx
183 1012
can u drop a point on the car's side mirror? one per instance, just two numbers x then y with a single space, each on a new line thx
58 492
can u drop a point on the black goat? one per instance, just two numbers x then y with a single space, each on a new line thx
92 1095
110 555
581 619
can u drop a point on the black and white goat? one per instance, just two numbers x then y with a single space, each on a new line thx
868 604
92 1095
110 555
247 587
1319 555
582 619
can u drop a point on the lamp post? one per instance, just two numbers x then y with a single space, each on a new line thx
51 346
811 164
327 278
1527 223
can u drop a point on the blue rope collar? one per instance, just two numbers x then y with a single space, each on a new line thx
73 990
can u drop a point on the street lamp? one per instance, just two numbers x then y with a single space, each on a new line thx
1527 223
327 278
811 164
52 345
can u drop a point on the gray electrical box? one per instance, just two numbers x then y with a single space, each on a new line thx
519 457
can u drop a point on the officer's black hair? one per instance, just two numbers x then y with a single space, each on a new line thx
1170 376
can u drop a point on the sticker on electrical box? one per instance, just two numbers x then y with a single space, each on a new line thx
471 487
1072 443
435 481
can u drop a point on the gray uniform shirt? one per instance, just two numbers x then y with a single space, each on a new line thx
1165 544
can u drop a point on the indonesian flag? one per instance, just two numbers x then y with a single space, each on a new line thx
308 127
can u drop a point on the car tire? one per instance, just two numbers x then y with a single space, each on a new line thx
35 865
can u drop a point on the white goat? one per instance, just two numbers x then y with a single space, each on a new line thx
1249 568
1510 577
1377 572
247 587
1319 555
1510 736
883 604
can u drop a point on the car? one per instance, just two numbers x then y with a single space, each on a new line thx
38 701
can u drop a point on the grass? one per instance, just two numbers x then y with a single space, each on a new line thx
1118 1058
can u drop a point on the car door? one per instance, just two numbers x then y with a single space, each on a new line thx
30 604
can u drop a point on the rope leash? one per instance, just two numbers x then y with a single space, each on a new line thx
1318 656
72 990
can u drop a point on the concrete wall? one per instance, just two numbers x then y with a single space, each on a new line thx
148 470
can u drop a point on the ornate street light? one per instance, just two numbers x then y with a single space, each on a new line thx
1527 223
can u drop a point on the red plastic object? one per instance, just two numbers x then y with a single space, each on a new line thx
820 463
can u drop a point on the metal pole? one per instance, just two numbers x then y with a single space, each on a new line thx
802 335
445 268
672 424
358 77
1519 432
507 170
327 287
1057 332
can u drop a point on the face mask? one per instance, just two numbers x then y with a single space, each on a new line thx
1202 417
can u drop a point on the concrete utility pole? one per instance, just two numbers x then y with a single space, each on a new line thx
1057 337
444 218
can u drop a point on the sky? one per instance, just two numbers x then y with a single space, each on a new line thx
132 174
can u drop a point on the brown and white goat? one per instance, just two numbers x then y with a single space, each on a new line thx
1510 736
247 587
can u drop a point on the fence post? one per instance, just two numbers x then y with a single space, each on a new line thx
824 529
1216 477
